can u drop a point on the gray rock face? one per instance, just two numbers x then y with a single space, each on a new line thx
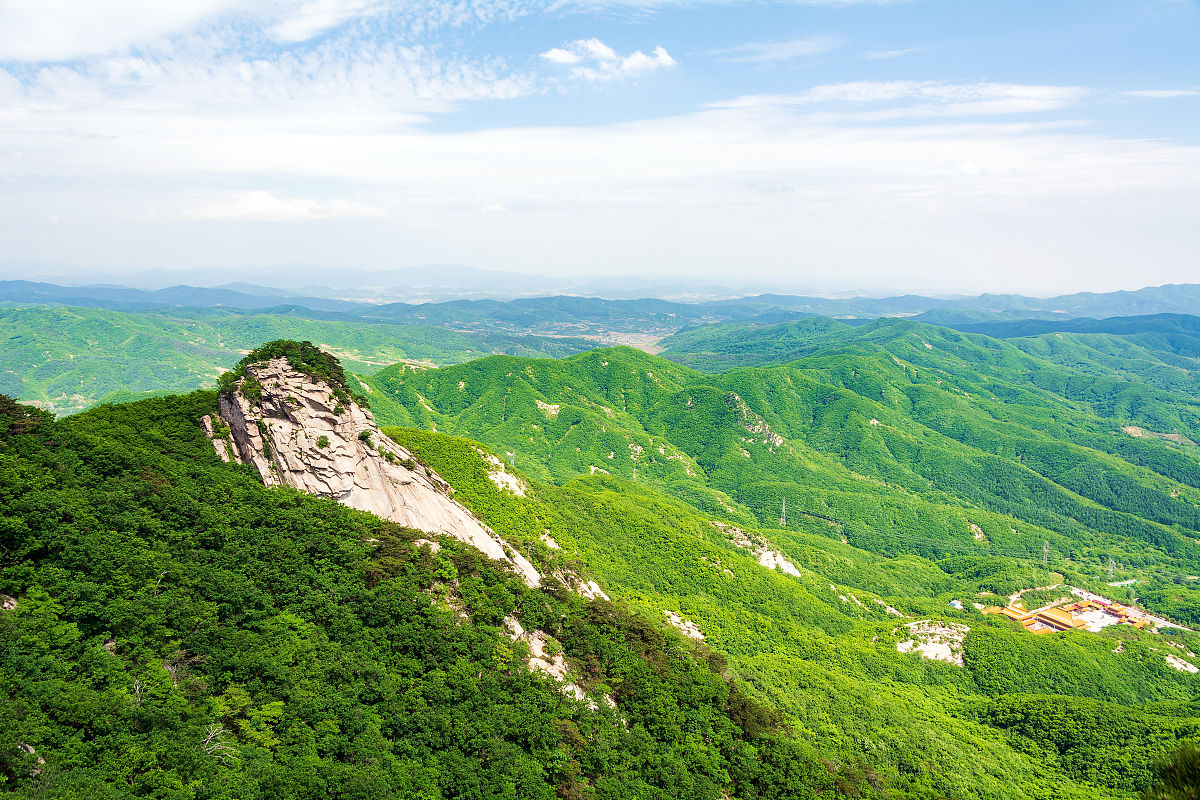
300 435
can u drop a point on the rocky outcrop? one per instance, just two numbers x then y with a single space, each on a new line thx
686 626
297 431
935 639
753 423
759 547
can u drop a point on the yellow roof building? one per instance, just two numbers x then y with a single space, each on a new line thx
1058 618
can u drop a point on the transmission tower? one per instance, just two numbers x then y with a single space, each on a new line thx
1045 552
783 514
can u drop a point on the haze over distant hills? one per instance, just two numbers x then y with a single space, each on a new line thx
470 290
444 282
431 283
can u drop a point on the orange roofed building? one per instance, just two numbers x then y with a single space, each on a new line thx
1059 619
1047 621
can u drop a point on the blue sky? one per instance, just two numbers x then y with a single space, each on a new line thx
952 145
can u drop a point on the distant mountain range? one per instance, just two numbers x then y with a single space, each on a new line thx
576 309
431 283
124 298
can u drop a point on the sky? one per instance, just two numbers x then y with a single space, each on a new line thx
1035 146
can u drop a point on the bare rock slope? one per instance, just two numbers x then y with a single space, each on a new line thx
298 432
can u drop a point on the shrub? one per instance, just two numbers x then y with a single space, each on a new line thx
252 390
265 433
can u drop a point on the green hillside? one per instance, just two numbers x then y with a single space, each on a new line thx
1146 375
66 359
821 645
913 440
181 631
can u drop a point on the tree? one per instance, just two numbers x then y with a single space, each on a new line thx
1178 775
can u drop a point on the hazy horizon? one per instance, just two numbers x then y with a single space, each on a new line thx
918 146
440 282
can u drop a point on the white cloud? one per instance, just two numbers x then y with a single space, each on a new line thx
663 193
263 206
61 30
338 84
557 55
317 16
66 30
597 49
884 54
332 125
1161 94
767 52
593 60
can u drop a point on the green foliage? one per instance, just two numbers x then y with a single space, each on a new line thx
1004 661
304 357
1178 775
250 388
919 466
897 437
264 432
829 663
1092 741
322 441
68 359
184 632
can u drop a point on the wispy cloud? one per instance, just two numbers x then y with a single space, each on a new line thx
883 54
343 83
318 16
897 99
769 52
263 206
1161 94
593 60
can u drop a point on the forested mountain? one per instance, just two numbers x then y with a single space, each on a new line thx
172 628
820 500
68 348
912 439
1125 358
67 359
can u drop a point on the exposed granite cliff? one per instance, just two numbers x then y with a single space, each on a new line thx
298 431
